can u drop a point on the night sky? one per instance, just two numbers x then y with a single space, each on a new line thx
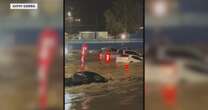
91 12
194 6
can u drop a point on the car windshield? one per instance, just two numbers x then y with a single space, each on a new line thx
135 57
79 75
98 77
199 68
131 52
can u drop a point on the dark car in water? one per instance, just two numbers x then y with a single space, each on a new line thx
85 77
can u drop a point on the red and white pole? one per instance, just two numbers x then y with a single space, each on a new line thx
169 84
126 68
47 45
107 57
100 56
107 61
84 50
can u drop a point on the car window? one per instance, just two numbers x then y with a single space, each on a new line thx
97 78
80 76
198 68
135 57
76 76
131 52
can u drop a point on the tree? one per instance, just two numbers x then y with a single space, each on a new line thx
112 26
122 17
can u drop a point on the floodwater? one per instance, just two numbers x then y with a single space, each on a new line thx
186 97
175 90
19 83
127 95
121 93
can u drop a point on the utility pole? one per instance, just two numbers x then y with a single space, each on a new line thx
96 26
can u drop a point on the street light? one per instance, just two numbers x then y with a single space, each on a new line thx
141 27
123 36
66 51
160 8
69 14
78 20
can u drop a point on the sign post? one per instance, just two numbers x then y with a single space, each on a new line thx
126 68
84 50
47 45
169 84
100 56
107 57
107 61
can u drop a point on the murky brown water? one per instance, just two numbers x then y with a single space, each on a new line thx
119 94
19 83
127 95
188 97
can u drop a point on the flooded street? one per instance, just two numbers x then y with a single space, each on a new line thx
188 97
121 93
19 82
188 91
127 95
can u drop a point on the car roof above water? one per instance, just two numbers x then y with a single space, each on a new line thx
83 73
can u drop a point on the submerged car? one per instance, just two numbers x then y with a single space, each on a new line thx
85 77
128 59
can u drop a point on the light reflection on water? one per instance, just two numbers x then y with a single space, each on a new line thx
69 98
124 97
